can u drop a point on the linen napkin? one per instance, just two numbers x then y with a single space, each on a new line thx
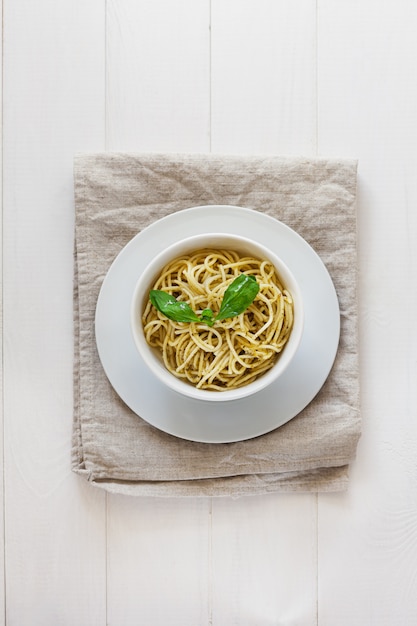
116 196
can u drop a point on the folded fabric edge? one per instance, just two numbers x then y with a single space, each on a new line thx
81 158
322 480
76 443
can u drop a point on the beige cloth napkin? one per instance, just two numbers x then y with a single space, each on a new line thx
117 195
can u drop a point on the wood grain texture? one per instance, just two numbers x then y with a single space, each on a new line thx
262 54
264 560
55 526
2 577
158 77
157 99
158 561
263 77
368 102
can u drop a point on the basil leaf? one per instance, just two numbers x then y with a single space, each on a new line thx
238 296
172 308
207 317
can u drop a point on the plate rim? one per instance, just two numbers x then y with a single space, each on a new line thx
158 226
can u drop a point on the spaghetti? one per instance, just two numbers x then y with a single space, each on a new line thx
235 351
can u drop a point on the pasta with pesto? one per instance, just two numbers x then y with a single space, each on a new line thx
235 351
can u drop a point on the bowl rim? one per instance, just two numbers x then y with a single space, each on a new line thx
151 356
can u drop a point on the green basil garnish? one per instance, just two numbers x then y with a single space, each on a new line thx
238 296
172 308
207 317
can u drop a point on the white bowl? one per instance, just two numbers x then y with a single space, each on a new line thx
152 357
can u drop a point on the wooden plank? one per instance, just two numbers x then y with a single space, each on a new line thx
158 100
158 76
53 107
2 578
264 566
264 560
368 103
158 561
264 77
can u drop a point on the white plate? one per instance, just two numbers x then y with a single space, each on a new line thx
236 420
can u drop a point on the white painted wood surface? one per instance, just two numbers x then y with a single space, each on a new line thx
244 76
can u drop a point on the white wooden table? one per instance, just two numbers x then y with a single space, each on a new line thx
287 77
